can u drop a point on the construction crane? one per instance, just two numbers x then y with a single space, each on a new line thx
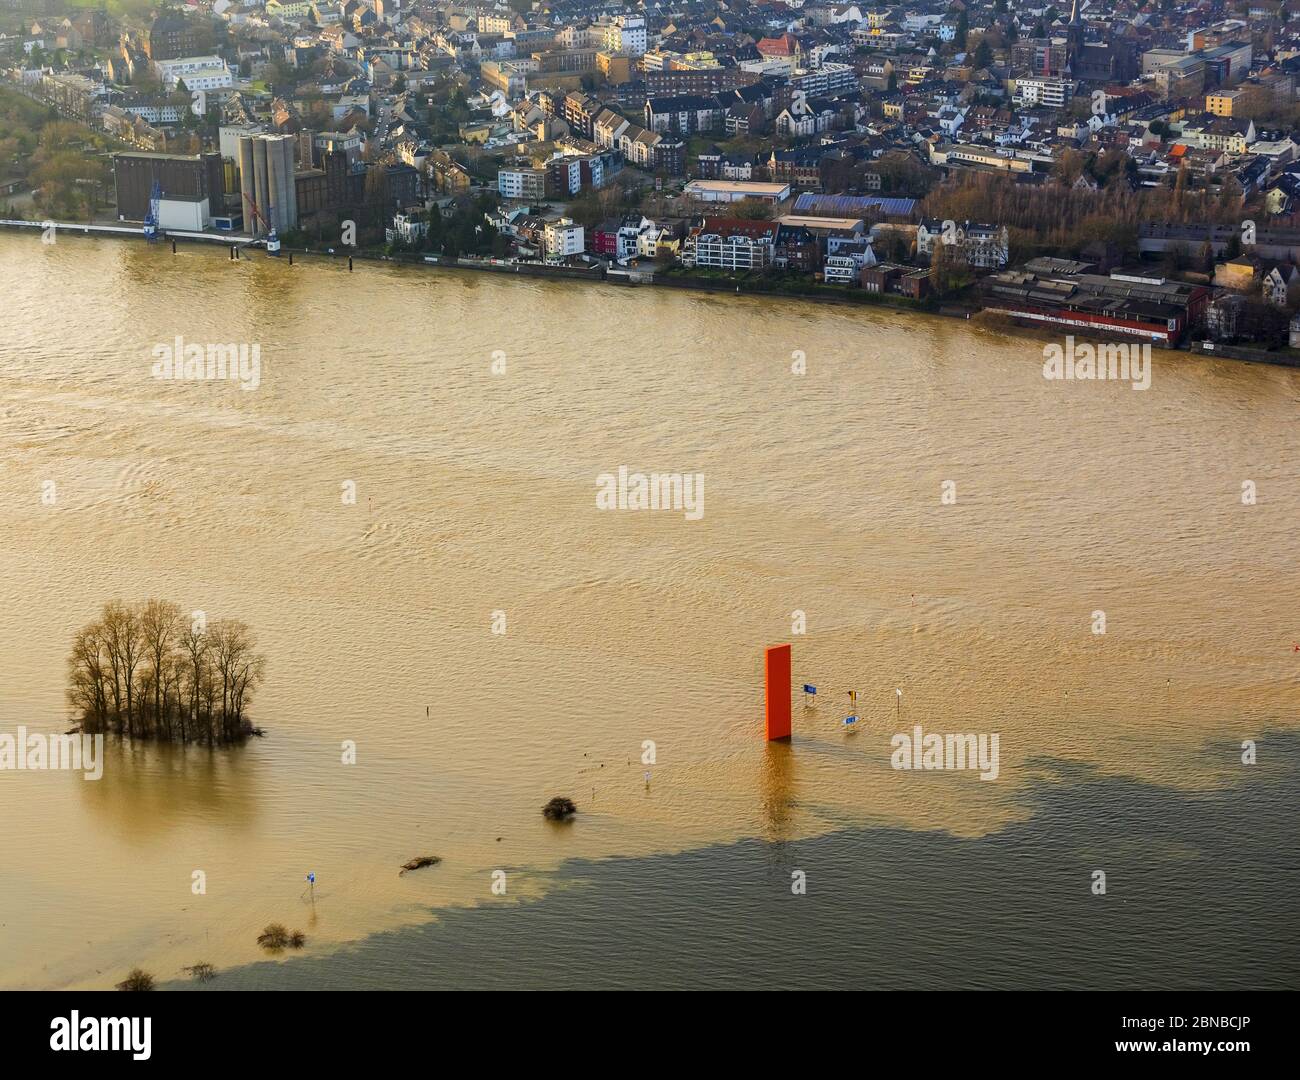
151 218
272 239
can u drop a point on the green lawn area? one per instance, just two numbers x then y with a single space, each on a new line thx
697 145
736 144
139 8
30 113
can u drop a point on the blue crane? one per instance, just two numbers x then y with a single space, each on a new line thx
151 218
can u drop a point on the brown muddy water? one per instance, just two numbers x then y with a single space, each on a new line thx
476 494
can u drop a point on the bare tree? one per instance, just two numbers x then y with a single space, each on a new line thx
158 622
87 666
122 626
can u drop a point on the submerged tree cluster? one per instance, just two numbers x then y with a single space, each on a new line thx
148 672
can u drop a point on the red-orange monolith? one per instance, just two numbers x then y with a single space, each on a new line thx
776 681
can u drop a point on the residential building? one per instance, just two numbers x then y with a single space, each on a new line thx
731 244
626 34
984 247
173 35
1033 90
563 238
196 72
407 228
685 114
524 185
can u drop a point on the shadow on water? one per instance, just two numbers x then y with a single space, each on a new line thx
1202 891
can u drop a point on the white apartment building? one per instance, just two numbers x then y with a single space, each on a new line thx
197 72
831 78
158 114
840 270
659 59
289 9
984 246
918 24
719 252
1042 90
563 238
522 184
407 228
626 34
627 241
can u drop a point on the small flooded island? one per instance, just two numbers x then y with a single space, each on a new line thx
145 671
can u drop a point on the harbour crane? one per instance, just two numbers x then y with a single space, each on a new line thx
272 239
151 230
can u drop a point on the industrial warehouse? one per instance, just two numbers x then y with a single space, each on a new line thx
1062 292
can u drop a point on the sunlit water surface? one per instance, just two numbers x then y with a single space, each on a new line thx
476 494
